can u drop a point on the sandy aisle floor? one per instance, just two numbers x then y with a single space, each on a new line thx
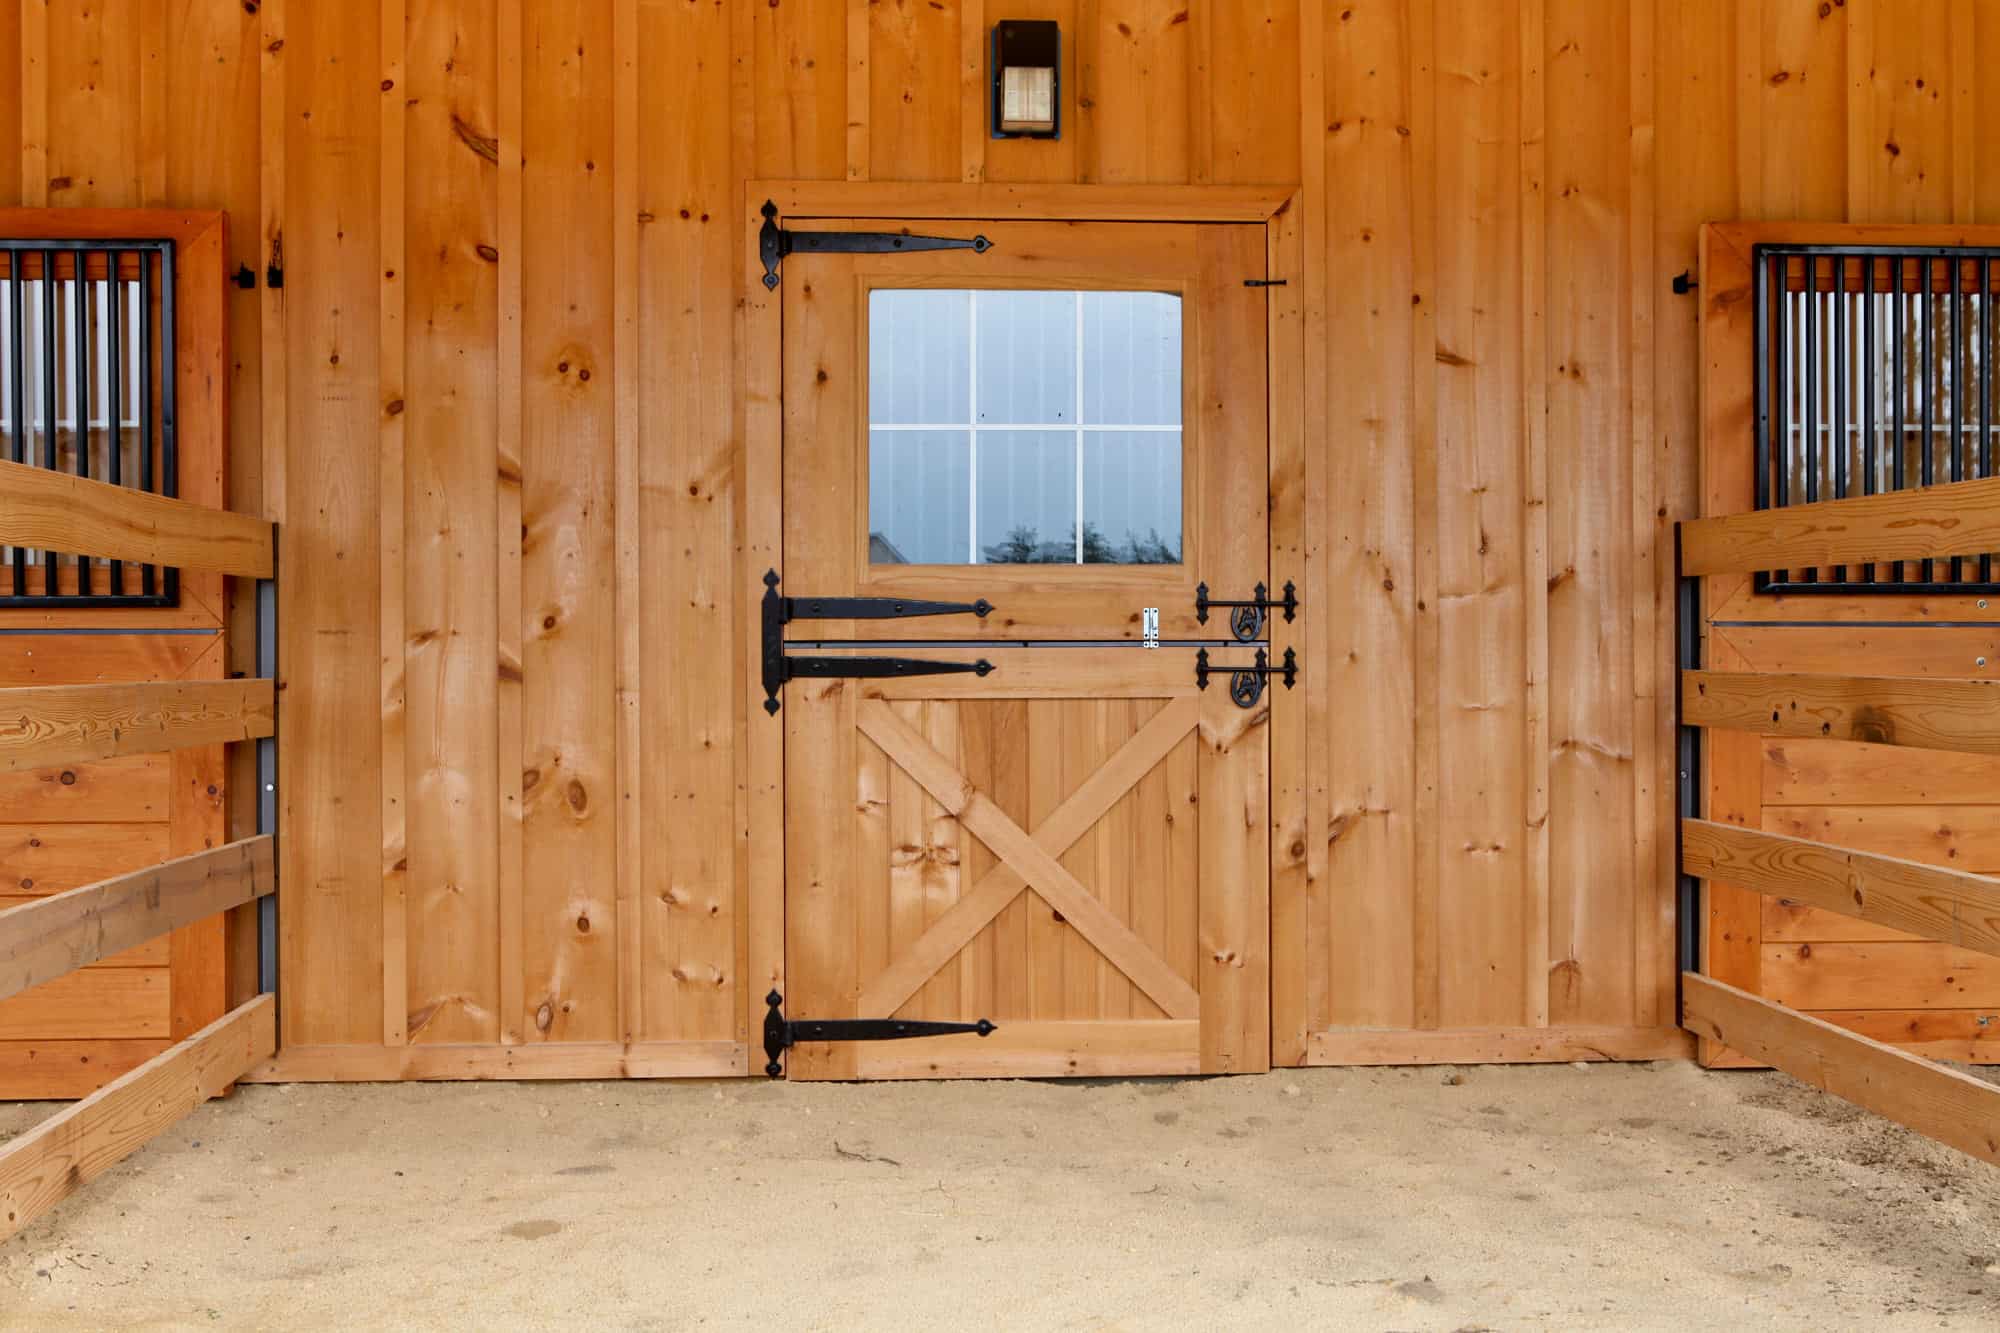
1635 1196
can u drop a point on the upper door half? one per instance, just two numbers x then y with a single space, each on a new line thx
1071 424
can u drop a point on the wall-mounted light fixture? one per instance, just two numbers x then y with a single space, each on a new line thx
1027 79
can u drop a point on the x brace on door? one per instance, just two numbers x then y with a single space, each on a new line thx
1029 861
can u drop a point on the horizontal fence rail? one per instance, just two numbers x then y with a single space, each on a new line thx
53 511
51 936
70 1149
1949 906
1933 1099
1935 522
45 725
1930 713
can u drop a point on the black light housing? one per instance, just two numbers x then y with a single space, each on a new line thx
1027 79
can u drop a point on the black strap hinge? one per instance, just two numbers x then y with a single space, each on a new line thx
1265 282
775 243
780 611
781 1033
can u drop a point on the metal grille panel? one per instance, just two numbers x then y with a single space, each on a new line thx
1875 374
87 388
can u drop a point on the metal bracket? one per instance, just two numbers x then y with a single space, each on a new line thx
781 1033
1149 626
775 243
1246 683
779 612
1246 619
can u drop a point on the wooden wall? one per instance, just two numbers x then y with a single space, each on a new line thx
498 407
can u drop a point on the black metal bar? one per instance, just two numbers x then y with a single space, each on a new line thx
1986 350
1766 444
1901 390
1838 448
50 341
267 783
775 244
1688 793
1809 366
80 369
146 398
1868 390
1927 467
114 393
170 474
781 1033
1956 364
17 324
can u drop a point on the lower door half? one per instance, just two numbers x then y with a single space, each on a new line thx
1074 846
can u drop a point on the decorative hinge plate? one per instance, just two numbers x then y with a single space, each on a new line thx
781 1033
775 243
780 666
1246 619
1246 683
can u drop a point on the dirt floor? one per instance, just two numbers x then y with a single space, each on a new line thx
1636 1196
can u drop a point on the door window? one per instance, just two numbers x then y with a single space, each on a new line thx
1024 427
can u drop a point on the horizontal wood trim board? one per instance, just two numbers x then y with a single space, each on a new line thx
1930 713
1948 906
944 200
49 937
44 726
1955 518
50 1162
1933 1099
1110 1048
1483 1046
53 511
447 1063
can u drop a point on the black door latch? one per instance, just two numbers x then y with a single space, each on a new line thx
781 1033
780 666
1246 619
774 243
1246 683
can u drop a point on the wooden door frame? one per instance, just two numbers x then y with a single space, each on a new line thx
761 499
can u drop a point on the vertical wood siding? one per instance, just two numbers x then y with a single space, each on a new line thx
500 405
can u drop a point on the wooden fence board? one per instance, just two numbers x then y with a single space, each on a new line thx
45 725
50 936
1949 906
1958 518
54 511
1932 713
1948 1106
50 1162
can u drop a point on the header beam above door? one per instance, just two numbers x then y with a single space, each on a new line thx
911 201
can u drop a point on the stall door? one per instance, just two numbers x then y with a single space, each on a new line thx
1009 796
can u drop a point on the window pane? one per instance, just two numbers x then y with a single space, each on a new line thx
978 448
1132 497
919 497
918 346
1131 359
1027 497
1027 358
